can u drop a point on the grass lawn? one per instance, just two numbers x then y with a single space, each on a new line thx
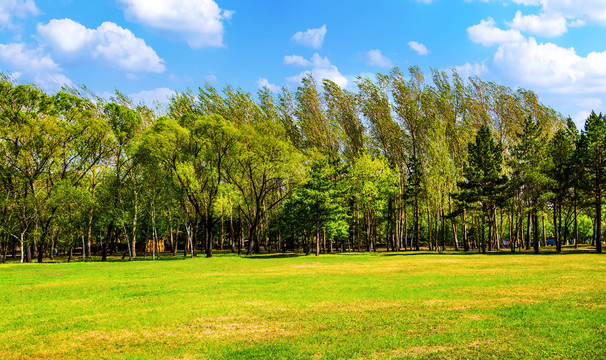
361 306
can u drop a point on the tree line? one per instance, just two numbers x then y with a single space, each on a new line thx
402 163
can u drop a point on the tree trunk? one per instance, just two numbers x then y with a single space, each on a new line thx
576 221
443 230
83 249
465 237
535 228
241 237
453 224
232 233
317 237
209 234
544 235
417 224
187 245
133 245
556 228
22 246
89 232
483 232
528 231
104 245
576 227
429 235
511 238
251 238
406 229
598 211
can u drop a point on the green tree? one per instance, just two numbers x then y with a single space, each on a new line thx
529 164
561 151
484 184
593 154
265 169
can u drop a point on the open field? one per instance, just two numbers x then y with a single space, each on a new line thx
362 306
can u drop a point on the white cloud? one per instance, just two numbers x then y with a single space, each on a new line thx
32 65
153 98
574 82
110 44
550 66
10 9
263 82
580 118
468 70
313 38
527 2
321 68
577 11
210 78
198 22
296 60
418 48
375 58
487 34
593 10
542 25
577 23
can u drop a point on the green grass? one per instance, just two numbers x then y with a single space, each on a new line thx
361 306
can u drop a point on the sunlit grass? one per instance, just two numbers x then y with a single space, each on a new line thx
366 306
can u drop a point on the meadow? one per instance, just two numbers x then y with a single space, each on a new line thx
342 306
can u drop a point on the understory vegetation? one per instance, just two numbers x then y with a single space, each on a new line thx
403 163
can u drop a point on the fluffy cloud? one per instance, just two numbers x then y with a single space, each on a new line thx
487 34
313 38
263 82
33 65
578 12
542 25
592 10
418 48
156 98
198 22
558 74
468 70
549 66
210 78
375 58
296 60
580 117
321 68
109 44
16 8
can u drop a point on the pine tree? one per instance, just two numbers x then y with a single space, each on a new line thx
593 156
484 185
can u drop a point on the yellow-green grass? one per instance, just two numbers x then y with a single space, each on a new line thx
361 306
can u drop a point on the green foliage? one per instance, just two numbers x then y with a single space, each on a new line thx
373 167
319 202
483 182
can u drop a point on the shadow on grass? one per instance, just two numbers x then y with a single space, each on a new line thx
498 252
274 256
264 256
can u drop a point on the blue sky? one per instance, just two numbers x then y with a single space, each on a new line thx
150 48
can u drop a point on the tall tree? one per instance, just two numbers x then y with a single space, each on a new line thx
484 184
529 163
593 152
